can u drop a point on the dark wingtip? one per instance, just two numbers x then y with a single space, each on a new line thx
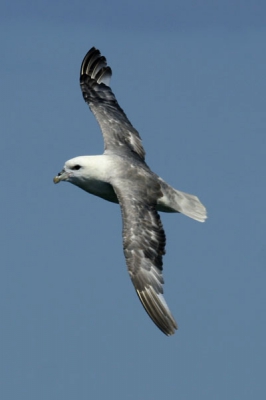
157 311
94 66
93 52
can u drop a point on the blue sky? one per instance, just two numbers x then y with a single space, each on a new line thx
191 78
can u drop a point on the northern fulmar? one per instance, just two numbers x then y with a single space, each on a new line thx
121 175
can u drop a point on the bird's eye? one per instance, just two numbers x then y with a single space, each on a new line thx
76 167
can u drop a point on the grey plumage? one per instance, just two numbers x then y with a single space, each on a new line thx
121 176
120 137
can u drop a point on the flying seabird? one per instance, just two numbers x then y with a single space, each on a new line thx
121 175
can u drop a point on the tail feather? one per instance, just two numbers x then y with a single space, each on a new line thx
190 206
176 201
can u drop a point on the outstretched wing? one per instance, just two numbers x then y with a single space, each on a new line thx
120 137
144 246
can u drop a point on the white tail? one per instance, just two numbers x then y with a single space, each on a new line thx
175 201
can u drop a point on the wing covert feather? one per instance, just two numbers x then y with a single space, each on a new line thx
144 246
120 137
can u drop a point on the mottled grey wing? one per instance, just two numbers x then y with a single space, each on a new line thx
120 137
144 246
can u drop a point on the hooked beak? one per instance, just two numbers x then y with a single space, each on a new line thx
62 176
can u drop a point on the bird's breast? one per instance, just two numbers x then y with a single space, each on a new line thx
99 188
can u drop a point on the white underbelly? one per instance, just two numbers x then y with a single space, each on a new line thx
100 189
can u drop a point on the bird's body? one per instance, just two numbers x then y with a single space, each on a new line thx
121 175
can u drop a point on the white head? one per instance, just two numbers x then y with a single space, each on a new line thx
74 170
81 170
90 173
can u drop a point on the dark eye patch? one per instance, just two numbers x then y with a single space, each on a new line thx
76 167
